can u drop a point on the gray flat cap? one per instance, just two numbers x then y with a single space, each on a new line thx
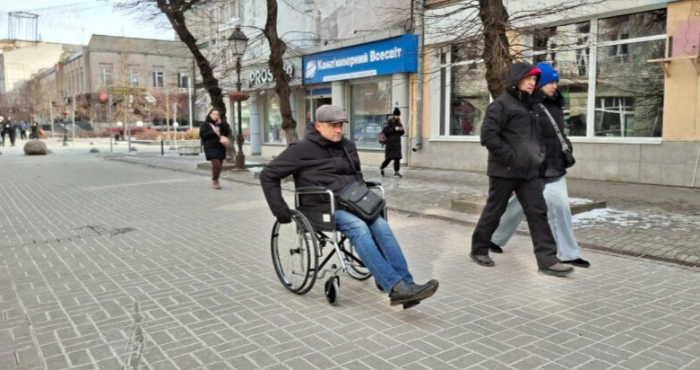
331 114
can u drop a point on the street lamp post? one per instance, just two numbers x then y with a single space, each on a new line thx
175 126
238 42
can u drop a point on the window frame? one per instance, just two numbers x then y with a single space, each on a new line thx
155 78
592 72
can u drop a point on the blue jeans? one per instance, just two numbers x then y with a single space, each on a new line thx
388 265
556 195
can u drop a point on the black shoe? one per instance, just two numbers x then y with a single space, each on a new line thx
381 171
396 174
495 248
558 269
579 262
483 260
412 304
403 293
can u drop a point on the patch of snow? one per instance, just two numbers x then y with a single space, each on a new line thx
579 201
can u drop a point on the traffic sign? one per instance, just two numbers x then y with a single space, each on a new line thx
124 90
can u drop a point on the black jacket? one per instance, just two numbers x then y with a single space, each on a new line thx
314 161
511 131
211 141
392 149
555 165
8 127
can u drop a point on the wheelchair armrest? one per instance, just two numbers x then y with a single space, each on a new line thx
373 184
311 189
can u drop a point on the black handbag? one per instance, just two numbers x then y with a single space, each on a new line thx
357 199
568 156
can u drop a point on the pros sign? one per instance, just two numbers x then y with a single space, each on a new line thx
258 77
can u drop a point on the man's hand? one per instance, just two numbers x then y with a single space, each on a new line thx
285 217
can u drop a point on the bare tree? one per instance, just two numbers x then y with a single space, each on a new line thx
486 26
277 50
175 11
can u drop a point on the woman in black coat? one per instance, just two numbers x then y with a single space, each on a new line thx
35 131
393 130
214 135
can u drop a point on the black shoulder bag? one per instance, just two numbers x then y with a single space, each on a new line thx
357 199
569 159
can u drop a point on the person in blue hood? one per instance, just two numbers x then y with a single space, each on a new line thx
513 137
554 177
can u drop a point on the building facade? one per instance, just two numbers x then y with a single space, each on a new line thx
629 73
314 30
19 62
156 69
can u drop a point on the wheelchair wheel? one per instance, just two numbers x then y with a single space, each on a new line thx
332 290
295 253
356 272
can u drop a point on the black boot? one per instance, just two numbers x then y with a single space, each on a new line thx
381 171
396 174
402 292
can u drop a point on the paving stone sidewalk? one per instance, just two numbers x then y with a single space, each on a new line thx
641 220
107 265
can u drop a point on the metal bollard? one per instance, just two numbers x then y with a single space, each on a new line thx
162 151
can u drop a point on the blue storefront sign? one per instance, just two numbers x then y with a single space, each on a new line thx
385 57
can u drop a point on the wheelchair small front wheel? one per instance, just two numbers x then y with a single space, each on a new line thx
332 290
295 253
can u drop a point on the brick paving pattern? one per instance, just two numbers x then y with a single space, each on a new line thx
107 265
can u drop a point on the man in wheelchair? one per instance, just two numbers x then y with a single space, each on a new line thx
322 159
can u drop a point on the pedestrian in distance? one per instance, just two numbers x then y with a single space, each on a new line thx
214 134
512 135
2 130
12 131
23 130
34 131
393 130
326 158
553 176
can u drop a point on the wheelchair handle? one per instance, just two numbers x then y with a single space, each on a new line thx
311 189
308 190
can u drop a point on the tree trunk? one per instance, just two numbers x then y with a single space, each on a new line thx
276 63
497 58
210 83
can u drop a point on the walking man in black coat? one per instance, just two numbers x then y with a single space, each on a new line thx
513 137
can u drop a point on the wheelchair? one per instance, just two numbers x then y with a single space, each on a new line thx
297 247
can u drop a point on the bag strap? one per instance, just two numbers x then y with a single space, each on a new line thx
358 173
564 146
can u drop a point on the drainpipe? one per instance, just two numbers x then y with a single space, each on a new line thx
420 29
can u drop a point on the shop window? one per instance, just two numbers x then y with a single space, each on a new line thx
630 92
371 103
272 129
245 119
464 94
630 26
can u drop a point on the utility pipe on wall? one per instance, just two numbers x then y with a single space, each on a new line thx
420 28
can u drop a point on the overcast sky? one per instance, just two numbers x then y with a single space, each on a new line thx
73 21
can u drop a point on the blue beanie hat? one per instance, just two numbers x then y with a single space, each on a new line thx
548 74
